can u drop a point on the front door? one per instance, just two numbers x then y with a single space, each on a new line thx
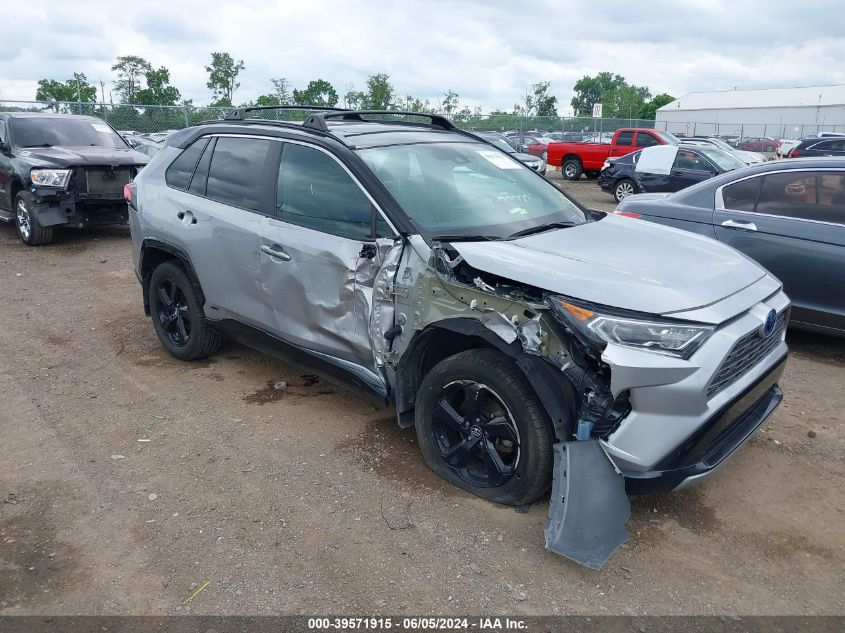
793 223
319 256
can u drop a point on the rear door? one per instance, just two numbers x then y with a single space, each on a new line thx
624 144
793 223
217 220
319 254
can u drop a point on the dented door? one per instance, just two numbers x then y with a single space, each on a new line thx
319 256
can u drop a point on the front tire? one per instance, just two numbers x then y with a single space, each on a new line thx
624 188
571 169
481 427
178 318
30 230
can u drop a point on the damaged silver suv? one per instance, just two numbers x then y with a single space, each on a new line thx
534 345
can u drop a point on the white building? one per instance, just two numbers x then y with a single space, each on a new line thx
773 112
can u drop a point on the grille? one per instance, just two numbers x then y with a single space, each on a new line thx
107 180
746 353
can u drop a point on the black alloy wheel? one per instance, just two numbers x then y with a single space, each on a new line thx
476 434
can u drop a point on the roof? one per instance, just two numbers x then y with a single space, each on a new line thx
763 98
354 129
46 115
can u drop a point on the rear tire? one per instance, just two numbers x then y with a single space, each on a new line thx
571 169
624 188
482 428
177 313
30 230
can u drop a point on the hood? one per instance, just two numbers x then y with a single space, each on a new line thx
526 158
750 157
620 262
81 156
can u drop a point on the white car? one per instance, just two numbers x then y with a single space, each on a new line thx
749 158
785 146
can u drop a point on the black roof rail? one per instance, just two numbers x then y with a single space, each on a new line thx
239 114
318 121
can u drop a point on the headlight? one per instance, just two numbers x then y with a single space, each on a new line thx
50 177
663 337
605 166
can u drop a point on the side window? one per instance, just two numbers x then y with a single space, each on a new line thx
625 138
685 160
200 178
644 139
816 196
838 146
741 195
180 171
240 171
314 191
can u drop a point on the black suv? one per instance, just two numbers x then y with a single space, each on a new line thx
62 170
819 147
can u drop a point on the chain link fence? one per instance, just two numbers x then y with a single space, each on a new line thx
144 119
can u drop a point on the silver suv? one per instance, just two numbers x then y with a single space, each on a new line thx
532 343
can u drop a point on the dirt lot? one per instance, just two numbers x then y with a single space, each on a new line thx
128 480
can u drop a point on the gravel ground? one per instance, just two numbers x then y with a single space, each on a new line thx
129 480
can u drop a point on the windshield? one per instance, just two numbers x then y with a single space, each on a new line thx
724 160
668 138
468 190
720 144
69 132
503 145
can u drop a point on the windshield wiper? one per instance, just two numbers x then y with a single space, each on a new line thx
465 238
540 228
39 145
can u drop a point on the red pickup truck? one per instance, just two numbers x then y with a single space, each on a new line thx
575 159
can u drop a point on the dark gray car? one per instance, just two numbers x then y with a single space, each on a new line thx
787 215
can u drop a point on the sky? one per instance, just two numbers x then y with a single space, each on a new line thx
488 51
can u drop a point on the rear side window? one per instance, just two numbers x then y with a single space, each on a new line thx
818 196
314 191
742 195
200 178
625 138
645 139
238 174
180 171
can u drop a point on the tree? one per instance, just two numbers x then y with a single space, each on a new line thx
413 104
130 69
158 90
649 110
542 102
379 94
450 102
222 77
618 97
76 89
319 92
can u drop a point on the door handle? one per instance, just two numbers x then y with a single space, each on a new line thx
275 251
733 224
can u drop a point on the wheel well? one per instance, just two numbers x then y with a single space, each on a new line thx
572 157
153 256
439 341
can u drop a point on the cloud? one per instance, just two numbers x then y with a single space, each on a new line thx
487 51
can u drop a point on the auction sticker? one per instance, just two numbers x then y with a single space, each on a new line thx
498 159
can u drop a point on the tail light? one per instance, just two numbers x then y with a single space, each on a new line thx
628 214
794 153
129 193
